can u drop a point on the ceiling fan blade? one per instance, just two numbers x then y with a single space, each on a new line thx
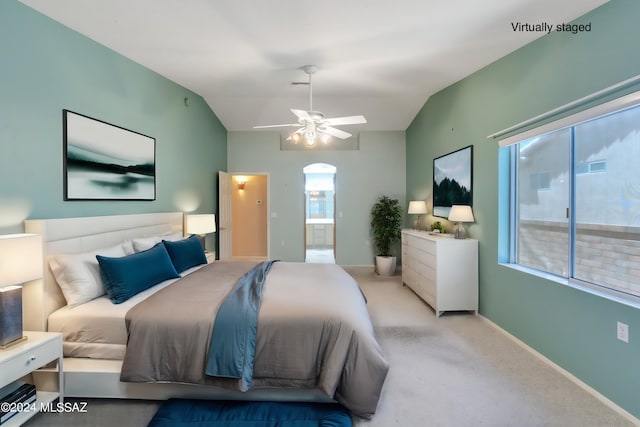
277 126
335 132
348 120
303 115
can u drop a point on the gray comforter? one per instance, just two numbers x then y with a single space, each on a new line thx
314 331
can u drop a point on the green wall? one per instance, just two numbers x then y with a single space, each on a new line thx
47 67
573 328
377 168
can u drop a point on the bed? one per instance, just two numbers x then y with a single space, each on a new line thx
347 367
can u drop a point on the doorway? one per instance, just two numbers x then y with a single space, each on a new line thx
249 219
320 213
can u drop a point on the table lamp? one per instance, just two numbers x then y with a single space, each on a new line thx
417 207
20 261
200 224
461 214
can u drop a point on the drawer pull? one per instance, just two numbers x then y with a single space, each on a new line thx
32 358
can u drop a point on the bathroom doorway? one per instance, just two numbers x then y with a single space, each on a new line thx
320 213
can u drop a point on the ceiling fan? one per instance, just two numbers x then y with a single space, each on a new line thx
312 125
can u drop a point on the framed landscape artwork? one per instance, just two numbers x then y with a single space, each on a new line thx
106 162
452 181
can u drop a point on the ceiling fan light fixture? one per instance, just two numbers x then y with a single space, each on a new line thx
312 124
310 137
325 138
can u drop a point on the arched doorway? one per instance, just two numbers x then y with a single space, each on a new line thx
320 213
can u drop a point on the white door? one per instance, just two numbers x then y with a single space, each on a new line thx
224 216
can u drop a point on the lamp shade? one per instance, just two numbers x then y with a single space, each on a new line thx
20 258
461 213
417 207
200 224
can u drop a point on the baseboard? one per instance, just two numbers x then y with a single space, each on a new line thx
567 374
357 266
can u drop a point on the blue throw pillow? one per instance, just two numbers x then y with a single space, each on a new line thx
186 253
126 276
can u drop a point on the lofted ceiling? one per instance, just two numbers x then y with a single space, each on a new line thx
379 58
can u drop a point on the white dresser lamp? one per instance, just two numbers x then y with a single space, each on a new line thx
200 224
461 214
417 207
20 261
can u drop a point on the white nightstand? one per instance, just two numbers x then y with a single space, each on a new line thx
211 257
39 349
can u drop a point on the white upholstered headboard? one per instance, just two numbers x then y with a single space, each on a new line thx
74 235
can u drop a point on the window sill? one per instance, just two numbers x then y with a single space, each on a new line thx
609 294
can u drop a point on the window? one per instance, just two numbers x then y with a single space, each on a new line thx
591 167
540 181
575 209
542 226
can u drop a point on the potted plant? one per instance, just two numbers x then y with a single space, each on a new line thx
386 223
439 227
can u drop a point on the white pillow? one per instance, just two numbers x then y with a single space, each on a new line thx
78 275
127 245
144 243
174 237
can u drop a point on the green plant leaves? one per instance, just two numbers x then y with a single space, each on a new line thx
386 224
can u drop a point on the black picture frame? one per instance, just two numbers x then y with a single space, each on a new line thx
452 181
106 162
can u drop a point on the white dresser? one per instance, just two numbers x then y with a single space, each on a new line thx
442 270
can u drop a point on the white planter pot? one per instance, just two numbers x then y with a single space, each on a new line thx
385 265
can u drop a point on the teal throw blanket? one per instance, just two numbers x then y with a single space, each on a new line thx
233 340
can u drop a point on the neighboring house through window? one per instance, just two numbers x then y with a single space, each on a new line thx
575 199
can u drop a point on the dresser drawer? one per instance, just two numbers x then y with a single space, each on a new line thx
409 276
422 289
426 271
408 260
430 297
411 241
405 251
427 246
426 258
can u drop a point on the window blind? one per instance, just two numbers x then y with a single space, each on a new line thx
614 98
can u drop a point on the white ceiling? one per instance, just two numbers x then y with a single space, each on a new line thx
378 58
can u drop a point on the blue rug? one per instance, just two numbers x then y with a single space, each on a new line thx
210 413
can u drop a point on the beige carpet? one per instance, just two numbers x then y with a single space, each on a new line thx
459 370
456 370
